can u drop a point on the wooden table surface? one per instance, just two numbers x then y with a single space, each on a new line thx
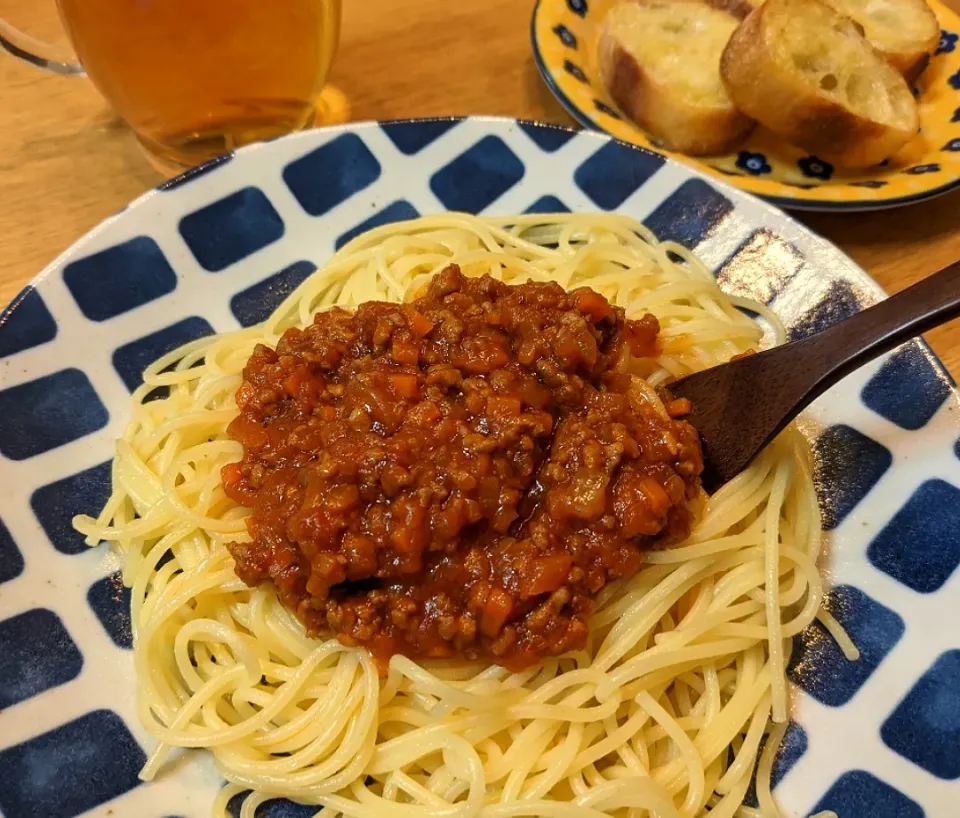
66 162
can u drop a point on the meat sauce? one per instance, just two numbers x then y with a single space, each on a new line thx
458 476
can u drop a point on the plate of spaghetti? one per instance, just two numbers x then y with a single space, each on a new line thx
341 476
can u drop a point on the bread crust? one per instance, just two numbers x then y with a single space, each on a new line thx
911 65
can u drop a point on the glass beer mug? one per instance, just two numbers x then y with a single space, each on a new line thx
196 78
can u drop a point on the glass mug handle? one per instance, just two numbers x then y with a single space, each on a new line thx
37 53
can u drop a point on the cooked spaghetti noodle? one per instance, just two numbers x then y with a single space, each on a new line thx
663 714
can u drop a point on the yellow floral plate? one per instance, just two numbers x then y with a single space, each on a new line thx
564 34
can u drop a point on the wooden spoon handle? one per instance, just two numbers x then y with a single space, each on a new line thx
739 407
846 346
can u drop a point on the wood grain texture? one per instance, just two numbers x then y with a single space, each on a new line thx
66 162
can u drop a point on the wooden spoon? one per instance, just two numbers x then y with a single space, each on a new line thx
739 407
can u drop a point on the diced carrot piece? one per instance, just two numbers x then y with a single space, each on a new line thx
546 574
404 386
408 535
480 355
404 351
231 474
361 554
657 500
294 381
245 394
313 389
593 304
679 407
631 504
568 347
420 325
424 414
504 406
496 609
248 432
641 335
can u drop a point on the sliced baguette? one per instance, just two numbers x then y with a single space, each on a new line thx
805 72
660 61
906 32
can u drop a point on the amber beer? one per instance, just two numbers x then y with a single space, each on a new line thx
195 78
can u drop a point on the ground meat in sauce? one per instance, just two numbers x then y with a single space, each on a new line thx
458 476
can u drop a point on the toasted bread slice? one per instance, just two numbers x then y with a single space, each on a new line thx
805 72
906 32
660 61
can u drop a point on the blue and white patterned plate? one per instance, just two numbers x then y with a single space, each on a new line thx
219 247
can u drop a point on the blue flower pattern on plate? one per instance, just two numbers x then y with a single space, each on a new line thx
948 42
603 108
954 81
952 145
755 164
567 37
919 170
575 70
578 7
342 181
815 168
